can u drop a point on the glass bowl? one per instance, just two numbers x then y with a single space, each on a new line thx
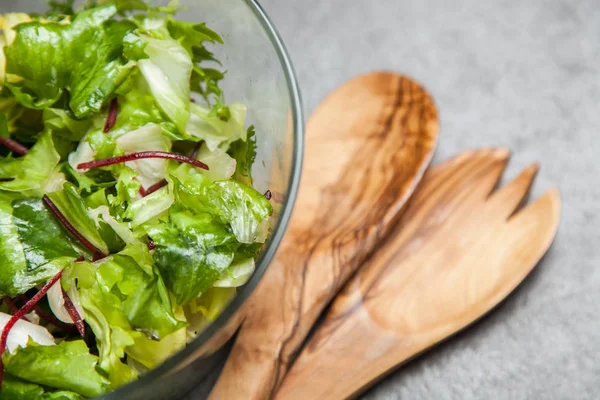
260 75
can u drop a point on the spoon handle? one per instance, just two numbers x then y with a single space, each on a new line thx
368 145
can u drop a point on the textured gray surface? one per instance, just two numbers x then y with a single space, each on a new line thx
523 74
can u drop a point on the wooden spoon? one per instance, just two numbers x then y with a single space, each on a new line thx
456 253
367 146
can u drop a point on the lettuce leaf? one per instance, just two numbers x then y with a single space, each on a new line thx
61 7
70 203
7 22
86 58
237 275
12 257
122 229
42 237
68 366
150 353
127 188
217 130
245 209
149 207
33 246
138 107
17 389
244 152
123 297
61 124
12 111
147 305
167 69
192 251
242 207
147 138
33 171
105 317
214 301
193 36
221 166
112 331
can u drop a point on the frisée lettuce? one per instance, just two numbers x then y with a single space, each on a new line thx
128 216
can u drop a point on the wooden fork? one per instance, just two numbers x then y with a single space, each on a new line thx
458 251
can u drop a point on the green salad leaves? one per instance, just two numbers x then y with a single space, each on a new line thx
84 57
68 366
126 183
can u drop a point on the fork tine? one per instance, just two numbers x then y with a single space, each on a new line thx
544 210
463 169
514 194
490 176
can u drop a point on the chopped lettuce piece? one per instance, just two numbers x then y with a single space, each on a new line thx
150 353
43 238
149 207
241 206
62 124
33 171
12 257
237 275
68 366
210 305
192 251
33 246
86 58
7 23
221 166
147 138
120 228
192 36
123 296
147 305
244 152
105 317
128 186
138 107
168 70
17 389
71 205
217 130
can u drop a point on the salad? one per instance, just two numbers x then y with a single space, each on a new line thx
127 212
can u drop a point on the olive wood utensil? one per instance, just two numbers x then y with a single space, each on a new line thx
367 146
459 249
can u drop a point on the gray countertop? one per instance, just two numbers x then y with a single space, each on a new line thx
523 74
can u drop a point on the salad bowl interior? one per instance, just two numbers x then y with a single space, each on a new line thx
259 75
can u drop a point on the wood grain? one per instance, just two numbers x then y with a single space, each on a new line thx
367 146
456 253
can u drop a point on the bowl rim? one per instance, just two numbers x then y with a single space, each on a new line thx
278 232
